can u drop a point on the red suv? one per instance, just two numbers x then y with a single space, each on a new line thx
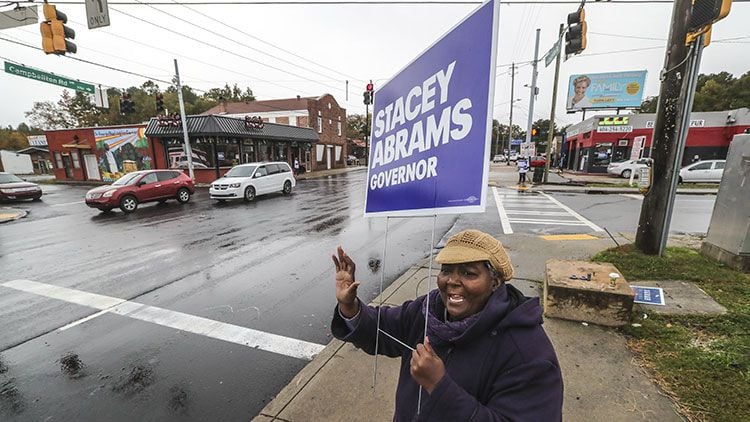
141 186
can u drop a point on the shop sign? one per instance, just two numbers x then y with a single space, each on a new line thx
693 123
622 142
37 140
614 121
614 129
638 143
255 122
173 120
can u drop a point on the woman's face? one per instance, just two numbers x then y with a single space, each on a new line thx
465 288
581 88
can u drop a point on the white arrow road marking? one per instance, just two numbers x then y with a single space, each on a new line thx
180 321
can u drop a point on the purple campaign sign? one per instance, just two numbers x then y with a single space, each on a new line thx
430 147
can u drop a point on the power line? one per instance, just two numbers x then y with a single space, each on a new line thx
272 45
239 43
365 3
201 42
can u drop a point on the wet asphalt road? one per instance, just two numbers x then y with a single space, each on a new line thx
264 265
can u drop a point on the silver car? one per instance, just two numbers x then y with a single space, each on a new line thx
708 171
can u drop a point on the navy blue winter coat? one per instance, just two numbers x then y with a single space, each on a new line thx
502 368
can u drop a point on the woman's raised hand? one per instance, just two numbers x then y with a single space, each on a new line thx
346 287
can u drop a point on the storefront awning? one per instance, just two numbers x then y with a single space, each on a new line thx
222 126
78 146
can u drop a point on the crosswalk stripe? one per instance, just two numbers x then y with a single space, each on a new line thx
236 334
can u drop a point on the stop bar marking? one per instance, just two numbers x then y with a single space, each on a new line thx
180 321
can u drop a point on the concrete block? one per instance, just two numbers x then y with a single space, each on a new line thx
730 259
681 298
599 300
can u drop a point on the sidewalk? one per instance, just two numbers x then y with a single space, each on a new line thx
602 378
569 182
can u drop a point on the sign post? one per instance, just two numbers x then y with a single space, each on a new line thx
50 78
432 126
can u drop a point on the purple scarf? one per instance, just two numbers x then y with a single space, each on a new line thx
440 330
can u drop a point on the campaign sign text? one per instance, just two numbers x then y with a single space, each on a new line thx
648 295
430 134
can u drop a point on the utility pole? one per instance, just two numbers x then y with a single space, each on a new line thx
533 89
186 146
551 134
666 150
512 100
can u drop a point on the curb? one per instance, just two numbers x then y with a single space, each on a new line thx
11 214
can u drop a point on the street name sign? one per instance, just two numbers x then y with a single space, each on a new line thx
552 54
431 125
97 13
20 16
50 78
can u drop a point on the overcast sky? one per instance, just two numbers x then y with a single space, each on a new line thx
281 51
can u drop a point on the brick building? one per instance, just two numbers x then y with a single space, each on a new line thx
323 114
595 142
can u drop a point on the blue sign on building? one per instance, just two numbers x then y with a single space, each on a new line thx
432 123
516 141
648 295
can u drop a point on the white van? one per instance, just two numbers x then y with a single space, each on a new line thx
247 181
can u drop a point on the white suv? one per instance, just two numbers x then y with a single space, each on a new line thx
246 181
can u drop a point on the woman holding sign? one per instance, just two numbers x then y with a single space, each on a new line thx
485 355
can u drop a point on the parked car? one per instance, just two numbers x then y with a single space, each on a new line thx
141 186
708 171
513 156
13 187
626 168
499 158
352 160
538 161
246 181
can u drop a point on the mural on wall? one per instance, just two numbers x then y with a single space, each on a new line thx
121 150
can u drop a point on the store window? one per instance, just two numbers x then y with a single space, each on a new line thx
227 153
602 154
320 124
339 128
76 162
58 160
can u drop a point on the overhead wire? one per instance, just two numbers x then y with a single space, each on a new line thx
272 45
236 42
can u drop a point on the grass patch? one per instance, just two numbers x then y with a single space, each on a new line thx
703 361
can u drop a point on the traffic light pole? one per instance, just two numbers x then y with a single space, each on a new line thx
510 123
367 134
533 90
672 113
551 134
183 118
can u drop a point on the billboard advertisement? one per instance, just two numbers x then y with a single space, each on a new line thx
432 123
121 150
605 90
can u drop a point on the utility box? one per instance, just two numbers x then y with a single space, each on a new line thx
728 238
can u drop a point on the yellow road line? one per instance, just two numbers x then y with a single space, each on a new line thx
569 237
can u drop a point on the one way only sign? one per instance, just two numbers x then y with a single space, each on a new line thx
432 125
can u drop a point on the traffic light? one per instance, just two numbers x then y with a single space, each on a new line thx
55 34
127 106
706 12
575 38
369 93
159 102
534 131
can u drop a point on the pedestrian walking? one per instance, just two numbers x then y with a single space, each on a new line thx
523 168
296 167
485 355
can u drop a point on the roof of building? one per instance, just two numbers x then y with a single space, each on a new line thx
242 107
223 126
737 117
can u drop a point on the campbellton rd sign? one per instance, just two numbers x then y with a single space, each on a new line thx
27 72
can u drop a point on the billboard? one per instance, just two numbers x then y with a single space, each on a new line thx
432 123
605 90
121 150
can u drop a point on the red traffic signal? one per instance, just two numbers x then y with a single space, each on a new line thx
370 87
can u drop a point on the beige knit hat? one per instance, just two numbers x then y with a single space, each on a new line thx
472 246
